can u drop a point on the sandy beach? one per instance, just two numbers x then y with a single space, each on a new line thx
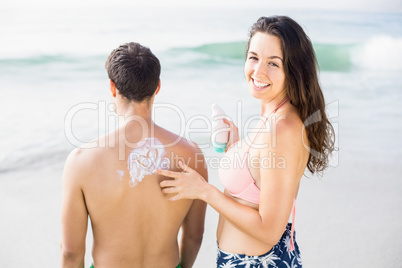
350 218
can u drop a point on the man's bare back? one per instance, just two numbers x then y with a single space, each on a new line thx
133 222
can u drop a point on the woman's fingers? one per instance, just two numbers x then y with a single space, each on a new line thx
168 183
172 190
185 168
176 197
186 184
230 123
169 190
168 173
227 121
174 174
233 134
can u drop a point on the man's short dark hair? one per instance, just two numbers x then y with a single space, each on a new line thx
135 70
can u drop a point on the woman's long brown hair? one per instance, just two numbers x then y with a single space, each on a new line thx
302 86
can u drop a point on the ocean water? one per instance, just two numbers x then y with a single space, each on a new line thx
53 61
55 89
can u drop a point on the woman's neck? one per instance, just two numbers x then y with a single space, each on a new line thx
269 106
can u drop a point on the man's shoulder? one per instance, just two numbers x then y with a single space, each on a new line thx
89 151
183 149
85 158
178 143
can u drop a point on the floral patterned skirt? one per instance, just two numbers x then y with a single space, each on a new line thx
278 257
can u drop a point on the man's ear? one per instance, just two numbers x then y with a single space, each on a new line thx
158 88
112 88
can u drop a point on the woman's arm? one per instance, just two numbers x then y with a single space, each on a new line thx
278 190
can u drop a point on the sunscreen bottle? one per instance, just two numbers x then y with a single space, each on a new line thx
220 134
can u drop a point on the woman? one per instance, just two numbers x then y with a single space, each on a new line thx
253 230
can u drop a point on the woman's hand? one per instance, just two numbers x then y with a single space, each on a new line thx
233 134
186 185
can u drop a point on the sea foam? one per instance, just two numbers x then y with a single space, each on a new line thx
379 53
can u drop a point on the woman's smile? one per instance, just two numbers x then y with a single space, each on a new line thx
259 85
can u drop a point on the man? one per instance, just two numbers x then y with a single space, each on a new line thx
133 222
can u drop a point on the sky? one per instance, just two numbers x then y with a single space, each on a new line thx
347 5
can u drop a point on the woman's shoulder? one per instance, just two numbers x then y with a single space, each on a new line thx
287 124
286 130
287 140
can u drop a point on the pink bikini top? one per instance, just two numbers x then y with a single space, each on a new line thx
237 179
236 176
